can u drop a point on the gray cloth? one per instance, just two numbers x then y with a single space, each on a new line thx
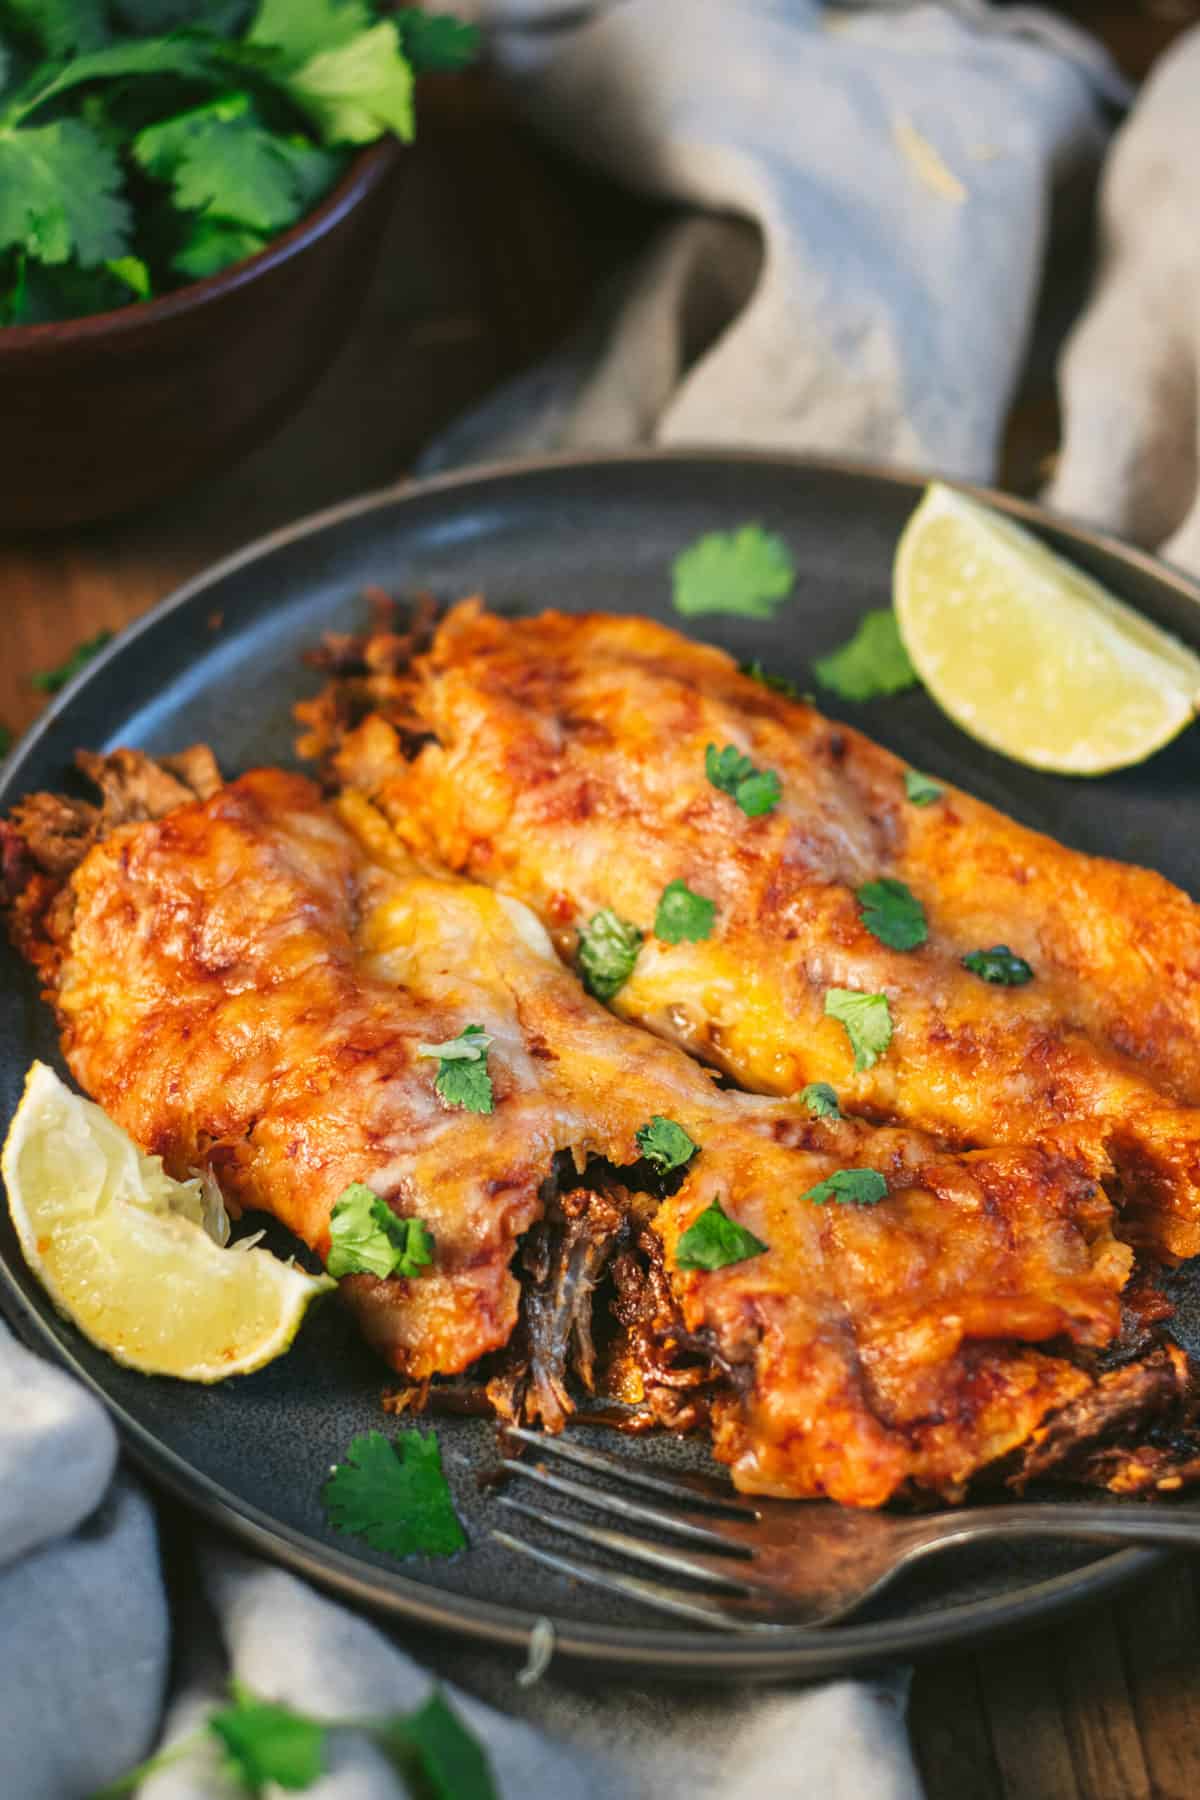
84 1636
1131 370
84 1645
871 194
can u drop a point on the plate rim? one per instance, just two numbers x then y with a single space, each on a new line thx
804 1651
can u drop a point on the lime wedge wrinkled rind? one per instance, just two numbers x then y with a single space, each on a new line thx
1027 653
122 1251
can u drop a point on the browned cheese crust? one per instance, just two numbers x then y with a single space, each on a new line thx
561 759
244 985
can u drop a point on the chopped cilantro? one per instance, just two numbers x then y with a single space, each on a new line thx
820 1099
868 1022
264 1741
462 1078
435 40
755 790
747 571
999 965
683 917
849 1187
892 913
665 1144
367 1238
715 1240
608 949
49 681
873 662
436 1755
919 789
465 1085
780 683
394 1495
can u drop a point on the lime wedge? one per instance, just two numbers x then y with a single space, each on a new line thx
123 1251
1027 653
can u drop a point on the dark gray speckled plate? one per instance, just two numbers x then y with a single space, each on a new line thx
220 661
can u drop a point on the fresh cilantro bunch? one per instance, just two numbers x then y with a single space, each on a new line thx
148 143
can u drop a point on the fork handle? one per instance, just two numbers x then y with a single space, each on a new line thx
1086 1523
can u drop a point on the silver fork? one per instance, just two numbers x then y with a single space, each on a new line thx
770 1565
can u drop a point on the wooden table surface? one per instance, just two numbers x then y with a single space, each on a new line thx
494 251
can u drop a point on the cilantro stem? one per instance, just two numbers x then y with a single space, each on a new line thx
162 1759
177 52
22 104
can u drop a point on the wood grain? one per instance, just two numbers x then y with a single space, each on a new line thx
494 251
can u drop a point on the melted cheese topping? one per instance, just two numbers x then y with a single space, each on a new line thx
244 986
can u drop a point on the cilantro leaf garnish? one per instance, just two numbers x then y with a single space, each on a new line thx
264 1740
682 916
999 965
665 1144
608 949
714 1240
920 790
725 768
873 662
48 681
462 1078
466 1085
849 1187
747 572
756 791
779 683
435 40
394 1495
367 1238
867 1019
820 1099
892 913
432 1750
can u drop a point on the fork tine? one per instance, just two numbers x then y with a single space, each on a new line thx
717 1571
604 1501
719 1496
699 1610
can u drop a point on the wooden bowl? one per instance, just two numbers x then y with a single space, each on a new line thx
104 413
